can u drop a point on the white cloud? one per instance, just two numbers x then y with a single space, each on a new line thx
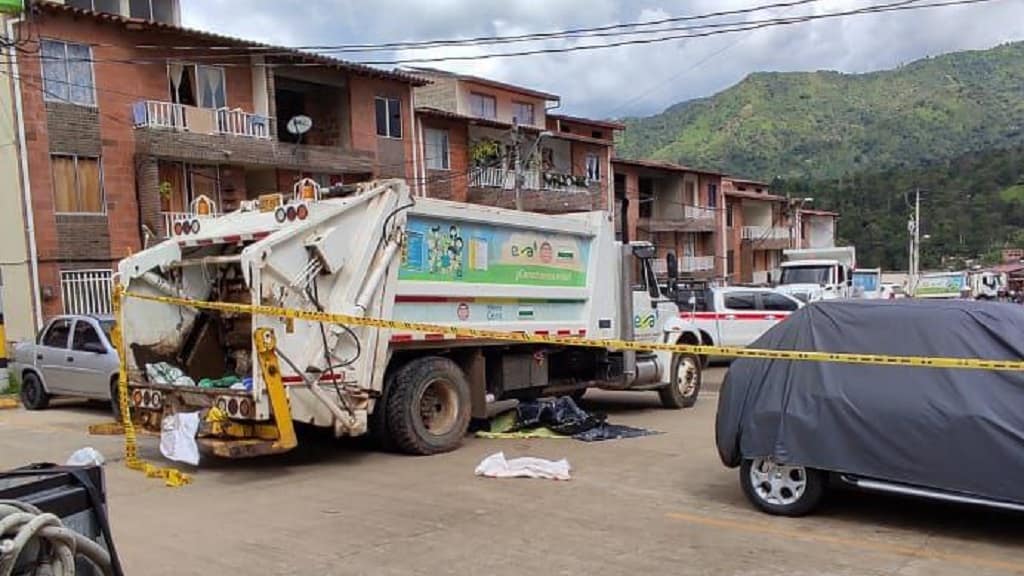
632 80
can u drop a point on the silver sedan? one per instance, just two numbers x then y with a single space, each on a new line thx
72 356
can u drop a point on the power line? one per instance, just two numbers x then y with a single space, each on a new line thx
677 75
717 29
595 31
876 9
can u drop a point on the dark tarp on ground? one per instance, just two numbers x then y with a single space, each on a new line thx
563 416
950 429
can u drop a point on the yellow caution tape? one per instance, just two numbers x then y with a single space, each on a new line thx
171 476
611 344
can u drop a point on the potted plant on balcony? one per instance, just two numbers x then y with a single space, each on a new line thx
485 153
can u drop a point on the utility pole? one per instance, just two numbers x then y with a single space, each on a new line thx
517 164
914 257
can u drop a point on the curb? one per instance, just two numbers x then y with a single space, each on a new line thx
8 402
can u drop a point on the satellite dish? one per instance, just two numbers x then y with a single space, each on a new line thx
299 125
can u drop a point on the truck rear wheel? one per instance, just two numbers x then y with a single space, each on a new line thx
682 391
428 407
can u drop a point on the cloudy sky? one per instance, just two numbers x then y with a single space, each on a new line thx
622 81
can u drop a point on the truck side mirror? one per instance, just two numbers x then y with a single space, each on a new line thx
672 266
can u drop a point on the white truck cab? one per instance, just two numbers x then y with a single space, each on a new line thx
818 273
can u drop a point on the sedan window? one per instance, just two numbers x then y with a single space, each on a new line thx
86 338
57 335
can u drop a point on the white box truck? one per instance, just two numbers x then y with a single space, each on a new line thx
377 252
811 274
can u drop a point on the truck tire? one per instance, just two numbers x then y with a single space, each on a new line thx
780 489
684 387
428 408
33 395
115 400
379 433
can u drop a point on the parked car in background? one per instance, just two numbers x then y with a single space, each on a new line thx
71 356
891 291
794 427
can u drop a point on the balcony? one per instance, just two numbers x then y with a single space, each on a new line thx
696 263
767 237
689 265
694 219
532 180
208 136
168 115
541 191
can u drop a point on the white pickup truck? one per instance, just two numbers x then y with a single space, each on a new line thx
734 315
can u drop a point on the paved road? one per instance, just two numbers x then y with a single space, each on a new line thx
656 505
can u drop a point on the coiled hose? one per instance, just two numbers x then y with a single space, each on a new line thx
50 546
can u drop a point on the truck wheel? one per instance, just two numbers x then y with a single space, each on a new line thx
428 406
33 395
780 489
682 391
379 434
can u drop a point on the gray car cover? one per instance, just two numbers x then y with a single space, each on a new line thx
950 429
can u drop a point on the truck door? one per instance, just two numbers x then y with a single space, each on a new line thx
776 308
648 315
738 320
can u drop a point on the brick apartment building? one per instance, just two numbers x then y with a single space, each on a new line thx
677 208
475 132
123 132
759 225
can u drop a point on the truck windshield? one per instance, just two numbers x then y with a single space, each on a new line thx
805 275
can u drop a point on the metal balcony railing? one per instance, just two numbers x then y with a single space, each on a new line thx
231 122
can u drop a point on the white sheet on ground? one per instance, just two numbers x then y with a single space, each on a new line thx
178 437
496 466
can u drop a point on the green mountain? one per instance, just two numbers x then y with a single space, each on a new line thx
827 124
971 207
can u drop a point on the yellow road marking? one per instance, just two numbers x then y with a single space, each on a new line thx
9 403
848 542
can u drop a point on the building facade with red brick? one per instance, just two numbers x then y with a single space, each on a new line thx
480 135
124 130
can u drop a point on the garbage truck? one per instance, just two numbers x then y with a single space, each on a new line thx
374 251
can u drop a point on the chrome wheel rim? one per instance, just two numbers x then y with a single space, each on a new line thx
686 376
777 484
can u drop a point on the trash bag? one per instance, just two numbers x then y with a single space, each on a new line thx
164 374
563 416
560 415
178 437
87 456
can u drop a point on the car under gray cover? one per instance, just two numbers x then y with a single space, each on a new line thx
958 430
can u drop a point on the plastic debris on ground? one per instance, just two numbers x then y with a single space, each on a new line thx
557 418
496 466
87 456
225 382
164 374
178 437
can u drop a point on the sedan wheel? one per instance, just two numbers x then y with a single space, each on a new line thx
781 489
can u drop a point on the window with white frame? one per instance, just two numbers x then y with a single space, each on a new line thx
523 112
483 105
389 117
155 10
108 6
593 163
67 72
87 291
436 147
